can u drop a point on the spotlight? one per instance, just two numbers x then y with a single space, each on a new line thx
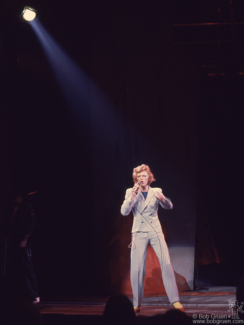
28 14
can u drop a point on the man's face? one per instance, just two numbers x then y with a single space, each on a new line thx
142 177
18 199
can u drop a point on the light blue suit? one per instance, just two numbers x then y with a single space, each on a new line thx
147 228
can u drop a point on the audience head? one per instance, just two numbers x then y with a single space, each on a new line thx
119 310
171 317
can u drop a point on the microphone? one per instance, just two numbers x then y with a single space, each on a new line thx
138 187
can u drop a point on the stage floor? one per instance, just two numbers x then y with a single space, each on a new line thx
214 301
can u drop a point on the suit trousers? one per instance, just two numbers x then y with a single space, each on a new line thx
22 274
140 241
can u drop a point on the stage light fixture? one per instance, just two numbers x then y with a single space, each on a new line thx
28 14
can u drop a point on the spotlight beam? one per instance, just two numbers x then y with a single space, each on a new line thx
78 89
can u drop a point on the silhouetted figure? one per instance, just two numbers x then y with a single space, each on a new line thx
21 270
119 310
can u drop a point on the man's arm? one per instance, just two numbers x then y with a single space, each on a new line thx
23 243
30 224
163 200
128 202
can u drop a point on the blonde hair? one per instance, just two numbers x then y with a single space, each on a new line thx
143 168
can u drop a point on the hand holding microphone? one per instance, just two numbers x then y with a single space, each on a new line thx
135 190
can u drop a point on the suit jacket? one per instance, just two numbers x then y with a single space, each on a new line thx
145 212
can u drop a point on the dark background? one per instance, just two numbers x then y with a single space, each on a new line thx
178 94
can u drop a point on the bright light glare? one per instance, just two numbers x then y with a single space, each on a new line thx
29 14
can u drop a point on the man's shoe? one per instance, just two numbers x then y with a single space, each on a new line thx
178 305
137 309
36 301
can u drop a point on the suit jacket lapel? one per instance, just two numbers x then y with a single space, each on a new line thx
148 199
141 200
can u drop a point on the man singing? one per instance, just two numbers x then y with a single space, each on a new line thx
143 201
21 269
